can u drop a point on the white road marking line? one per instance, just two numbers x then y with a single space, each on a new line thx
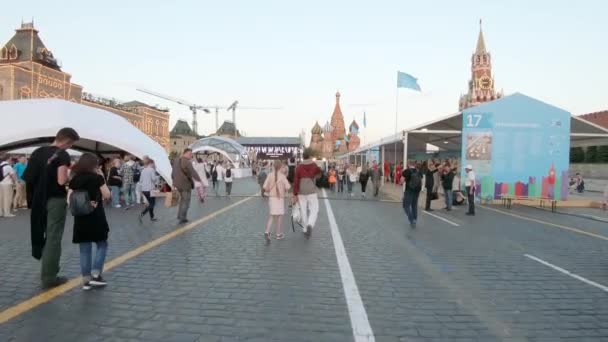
566 272
362 330
442 219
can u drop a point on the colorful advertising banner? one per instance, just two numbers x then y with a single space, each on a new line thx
517 146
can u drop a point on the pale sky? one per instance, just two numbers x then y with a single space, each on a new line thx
295 55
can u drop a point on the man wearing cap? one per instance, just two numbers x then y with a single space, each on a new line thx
469 184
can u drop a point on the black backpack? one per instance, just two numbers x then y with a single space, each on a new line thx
228 173
415 182
80 203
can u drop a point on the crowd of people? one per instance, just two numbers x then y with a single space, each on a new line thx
50 183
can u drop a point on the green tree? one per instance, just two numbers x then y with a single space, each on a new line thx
602 154
591 154
577 155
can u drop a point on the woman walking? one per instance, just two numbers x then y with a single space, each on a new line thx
351 178
363 178
93 227
115 182
149 179
276 186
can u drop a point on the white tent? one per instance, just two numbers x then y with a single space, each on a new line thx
28 123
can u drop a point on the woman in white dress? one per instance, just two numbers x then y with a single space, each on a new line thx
201 170
276 187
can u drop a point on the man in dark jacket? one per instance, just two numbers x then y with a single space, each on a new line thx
183 180
46 177
305 190
429 185
447 178
413 184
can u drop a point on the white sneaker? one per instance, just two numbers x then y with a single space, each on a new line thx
9 215
118 206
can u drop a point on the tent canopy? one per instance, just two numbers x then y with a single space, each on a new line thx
446 132
35 122
212 149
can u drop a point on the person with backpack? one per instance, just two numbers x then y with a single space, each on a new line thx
88 190
137 170
276 186
364 177
228 179
413 185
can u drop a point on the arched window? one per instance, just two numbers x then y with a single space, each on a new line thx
12 52
25 93
4 53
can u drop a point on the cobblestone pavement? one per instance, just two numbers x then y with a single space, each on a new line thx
468 280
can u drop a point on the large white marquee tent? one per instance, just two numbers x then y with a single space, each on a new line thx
27 123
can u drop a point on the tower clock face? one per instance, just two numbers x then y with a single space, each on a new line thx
485 83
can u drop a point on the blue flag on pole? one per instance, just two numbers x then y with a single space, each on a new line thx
364 120
407 81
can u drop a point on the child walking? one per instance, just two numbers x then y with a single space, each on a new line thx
276 186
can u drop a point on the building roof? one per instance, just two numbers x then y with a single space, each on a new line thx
354 125
316 129
283 141
182 128
481 44
227 128
598 118
29 47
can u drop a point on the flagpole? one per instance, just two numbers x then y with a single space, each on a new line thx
396 118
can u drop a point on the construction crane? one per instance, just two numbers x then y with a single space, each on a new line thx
193 107
235 104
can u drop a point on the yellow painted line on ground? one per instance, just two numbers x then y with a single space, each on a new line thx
49 295
560 226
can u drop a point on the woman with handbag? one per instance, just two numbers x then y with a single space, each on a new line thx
92 227
276 187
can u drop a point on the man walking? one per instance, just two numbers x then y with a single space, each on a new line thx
184 176
429 185
305 191
46 177
376 177
228 179
470 186
447 178
413 185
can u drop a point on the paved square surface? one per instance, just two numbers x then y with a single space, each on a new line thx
516 275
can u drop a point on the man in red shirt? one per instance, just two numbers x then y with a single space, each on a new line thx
305 190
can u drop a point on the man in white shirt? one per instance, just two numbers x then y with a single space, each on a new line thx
470 186
8 179
220 176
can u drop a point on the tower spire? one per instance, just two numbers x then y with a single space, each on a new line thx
481 45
